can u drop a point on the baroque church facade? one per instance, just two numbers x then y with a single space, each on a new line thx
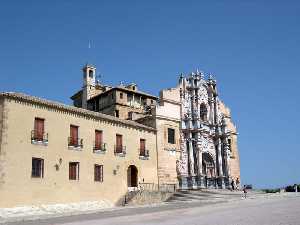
206 140
113 140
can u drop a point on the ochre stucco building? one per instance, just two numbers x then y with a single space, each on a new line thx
113 140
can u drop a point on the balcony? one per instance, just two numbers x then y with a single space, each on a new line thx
120 150
39 138
75 143
144 154
99 148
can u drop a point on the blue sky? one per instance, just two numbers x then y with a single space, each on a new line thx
252 48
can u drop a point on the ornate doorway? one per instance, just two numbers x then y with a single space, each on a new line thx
208 165
132 176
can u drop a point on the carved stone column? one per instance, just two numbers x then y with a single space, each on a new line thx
212 110
226 157
219 164
191 158
200 172
219 152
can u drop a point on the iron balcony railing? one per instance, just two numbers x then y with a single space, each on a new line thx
144 152
75 142
39 137
120 149
99 147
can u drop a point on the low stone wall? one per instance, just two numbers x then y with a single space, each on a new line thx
148 197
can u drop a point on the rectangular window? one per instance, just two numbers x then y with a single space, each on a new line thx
119 144
98 173
37 168
74 171
117 113
171 136
39 129
73 135
98 139
121 95
129 98
142 147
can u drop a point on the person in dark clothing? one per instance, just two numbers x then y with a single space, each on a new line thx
232 185
245 191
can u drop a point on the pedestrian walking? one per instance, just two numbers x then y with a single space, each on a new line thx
237 183
232 185
245 191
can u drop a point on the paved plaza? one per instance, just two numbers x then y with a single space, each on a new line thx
268 210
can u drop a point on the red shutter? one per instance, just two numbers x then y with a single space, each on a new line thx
74 134
142 146
38 129
98 139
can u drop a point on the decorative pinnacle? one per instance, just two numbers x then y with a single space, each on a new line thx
181 76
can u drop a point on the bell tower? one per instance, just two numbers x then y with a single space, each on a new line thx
89 81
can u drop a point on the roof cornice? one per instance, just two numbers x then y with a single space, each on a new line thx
79 111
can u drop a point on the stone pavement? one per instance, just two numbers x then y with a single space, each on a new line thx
273 209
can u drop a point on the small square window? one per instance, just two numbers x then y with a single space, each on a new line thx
98 173
117 113
37 168
74 171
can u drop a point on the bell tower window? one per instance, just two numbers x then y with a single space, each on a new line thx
91 73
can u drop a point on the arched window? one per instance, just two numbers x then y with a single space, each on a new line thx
203 112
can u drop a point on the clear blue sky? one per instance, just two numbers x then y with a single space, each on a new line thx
252 47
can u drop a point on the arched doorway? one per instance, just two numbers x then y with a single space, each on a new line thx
208 165
132 176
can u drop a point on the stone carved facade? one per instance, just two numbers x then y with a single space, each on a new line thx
204 135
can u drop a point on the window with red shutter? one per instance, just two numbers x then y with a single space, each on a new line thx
142 147
38 129
119 144
98 139
74 135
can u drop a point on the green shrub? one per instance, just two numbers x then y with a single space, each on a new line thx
272 190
